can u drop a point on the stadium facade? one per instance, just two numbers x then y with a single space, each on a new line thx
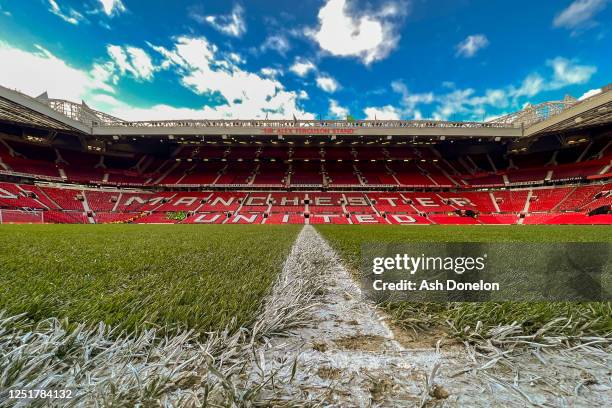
63 162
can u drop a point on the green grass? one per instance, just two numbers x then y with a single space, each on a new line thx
139 276
586 318
348 239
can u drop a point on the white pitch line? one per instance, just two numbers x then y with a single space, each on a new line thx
347 355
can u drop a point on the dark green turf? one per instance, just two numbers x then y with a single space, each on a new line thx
585 318
137 276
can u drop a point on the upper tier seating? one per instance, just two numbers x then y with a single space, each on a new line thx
202 173
369 153
338 153
341 173
271 174
311 153
409 166
237 173
306 173
83 168
29 159
528 175
484 180
435 173
376 173
409 174
578 170
177 174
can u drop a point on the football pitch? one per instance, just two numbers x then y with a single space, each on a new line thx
202 277
141 276
461 319
233 315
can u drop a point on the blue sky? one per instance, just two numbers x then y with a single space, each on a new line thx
408 59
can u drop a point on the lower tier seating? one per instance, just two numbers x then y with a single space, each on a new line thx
21 203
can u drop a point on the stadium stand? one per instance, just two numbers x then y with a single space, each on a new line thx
60 202
71 205
302 172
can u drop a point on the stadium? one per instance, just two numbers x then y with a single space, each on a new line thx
63 162
324 203
309 328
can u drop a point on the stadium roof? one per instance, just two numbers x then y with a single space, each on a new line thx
60 115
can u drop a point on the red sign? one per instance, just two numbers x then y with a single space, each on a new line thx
308 131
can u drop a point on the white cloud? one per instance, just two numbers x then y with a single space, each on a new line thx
133 60
277 42
471 45
71 16
327 83
236 58
370 35
36 72
589 93
408 104
337 111
232 24
532 85
112 7
567 72
105 73
579 14
455 102
270 72
387 112
122 110
467 103
410 100
302 67
247 94
303 95
5 12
